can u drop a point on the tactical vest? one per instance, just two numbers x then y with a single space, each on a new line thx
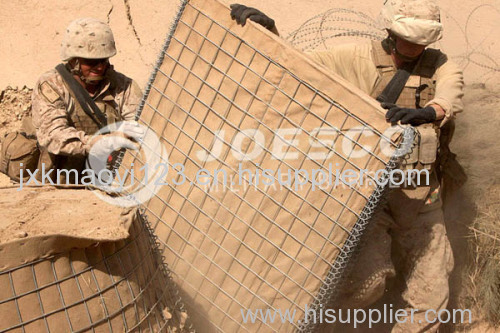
419 89
81 121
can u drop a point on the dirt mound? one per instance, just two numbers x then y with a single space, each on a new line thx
32 33
15 103
47 211
77 264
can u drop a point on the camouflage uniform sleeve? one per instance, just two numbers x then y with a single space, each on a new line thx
50 119
449 89
131 101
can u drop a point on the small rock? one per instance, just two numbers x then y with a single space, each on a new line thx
183 319
21 234
479 85
166 314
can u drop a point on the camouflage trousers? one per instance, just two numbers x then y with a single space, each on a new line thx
414 231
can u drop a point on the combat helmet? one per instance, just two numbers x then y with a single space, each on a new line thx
416 21
88 38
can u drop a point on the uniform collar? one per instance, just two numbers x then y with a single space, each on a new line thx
106 86
104 91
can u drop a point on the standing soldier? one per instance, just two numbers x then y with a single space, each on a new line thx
77 98
428 98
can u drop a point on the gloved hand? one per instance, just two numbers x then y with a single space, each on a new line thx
101 149
240 13
413 117
103 145
131 129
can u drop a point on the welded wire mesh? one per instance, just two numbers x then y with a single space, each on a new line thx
219 103
119 286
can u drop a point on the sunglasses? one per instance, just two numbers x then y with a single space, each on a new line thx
94 62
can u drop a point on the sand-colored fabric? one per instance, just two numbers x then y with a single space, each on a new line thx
226 97
421 254
413 224
417 21
88 38
62 127
354 62
78 280
424 258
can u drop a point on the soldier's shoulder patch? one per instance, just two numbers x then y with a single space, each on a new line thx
48 92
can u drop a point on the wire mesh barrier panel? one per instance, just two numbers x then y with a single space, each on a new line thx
257 119
87 285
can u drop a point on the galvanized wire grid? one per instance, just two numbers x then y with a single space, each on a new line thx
187 103
113 286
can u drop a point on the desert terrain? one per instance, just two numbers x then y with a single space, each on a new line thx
32 32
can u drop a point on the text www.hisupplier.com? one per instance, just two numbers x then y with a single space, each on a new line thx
387 315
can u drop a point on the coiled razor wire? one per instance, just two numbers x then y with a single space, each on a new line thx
336 23
332 24
470 53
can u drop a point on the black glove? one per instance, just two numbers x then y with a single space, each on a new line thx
413 117
240 13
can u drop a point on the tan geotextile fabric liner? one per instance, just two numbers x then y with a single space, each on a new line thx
242 94
83 285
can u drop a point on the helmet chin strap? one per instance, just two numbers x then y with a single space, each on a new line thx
76 70
392 47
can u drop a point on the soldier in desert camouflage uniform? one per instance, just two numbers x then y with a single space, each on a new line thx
412 222
63 129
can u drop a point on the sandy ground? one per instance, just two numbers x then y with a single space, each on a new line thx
32 31
479 153
49 211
